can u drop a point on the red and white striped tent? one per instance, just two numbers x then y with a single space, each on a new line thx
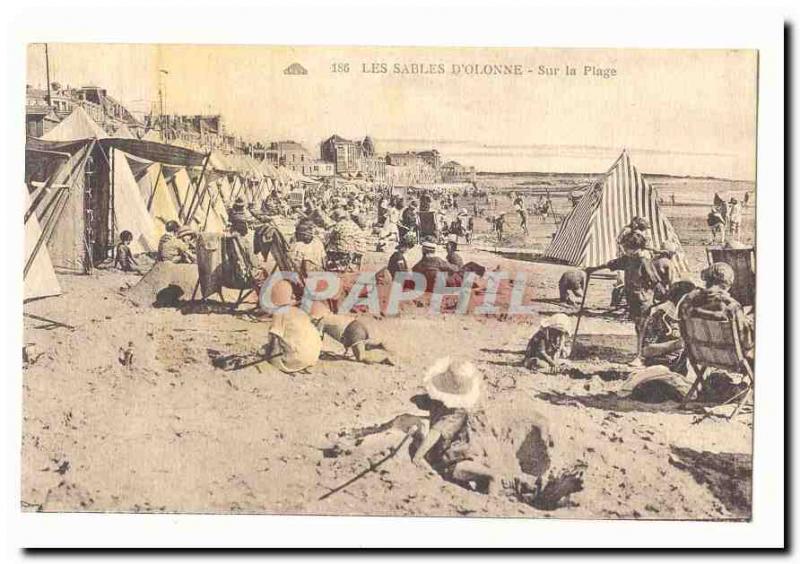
588 235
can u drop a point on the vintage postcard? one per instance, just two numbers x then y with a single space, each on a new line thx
390 281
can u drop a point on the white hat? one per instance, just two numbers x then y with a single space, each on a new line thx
558 321
454 383
429 245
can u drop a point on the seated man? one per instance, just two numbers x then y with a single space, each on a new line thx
430 265
662 344
307 251
714 302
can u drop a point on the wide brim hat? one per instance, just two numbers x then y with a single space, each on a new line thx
558 321
183 231
455 384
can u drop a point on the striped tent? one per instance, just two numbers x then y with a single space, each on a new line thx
588 235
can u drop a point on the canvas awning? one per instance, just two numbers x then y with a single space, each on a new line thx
156 152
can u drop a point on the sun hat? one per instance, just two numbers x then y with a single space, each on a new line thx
185 230
558 321
456 384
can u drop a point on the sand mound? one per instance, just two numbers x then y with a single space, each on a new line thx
165 285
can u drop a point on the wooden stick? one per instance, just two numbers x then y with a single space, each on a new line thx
580 312
372 468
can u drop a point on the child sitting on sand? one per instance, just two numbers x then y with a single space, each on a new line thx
453 445
549 345
350 333
123 257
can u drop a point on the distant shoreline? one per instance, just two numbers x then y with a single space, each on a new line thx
585 174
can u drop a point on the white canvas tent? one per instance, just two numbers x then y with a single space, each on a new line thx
130 212
588 235
158 197
77 125
40 278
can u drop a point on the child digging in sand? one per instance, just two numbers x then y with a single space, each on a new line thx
548 347
453 445
350 333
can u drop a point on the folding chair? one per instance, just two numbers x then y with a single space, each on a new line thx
715 343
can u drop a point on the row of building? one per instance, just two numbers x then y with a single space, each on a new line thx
359 158
337 155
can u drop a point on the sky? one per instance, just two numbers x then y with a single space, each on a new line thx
677 112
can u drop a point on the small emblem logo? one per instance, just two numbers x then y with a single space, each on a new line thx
295 69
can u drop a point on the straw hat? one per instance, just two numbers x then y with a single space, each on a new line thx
185 230
558 321
429 245
454 383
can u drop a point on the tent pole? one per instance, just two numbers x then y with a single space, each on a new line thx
47 230
155 187
189 213
580 313
113 156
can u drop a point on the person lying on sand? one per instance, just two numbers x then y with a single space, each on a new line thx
350 333
548 347
453 444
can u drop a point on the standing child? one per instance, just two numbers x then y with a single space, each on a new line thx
453 445
549 346
123 257
641 281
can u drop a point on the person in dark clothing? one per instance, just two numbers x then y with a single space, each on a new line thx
430 265
452 255
409 221
641 280
397 262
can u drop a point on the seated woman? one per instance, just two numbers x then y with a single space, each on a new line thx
662 344
715 302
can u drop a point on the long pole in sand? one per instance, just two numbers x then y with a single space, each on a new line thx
580 312
372 468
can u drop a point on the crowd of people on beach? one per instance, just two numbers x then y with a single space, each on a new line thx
333 231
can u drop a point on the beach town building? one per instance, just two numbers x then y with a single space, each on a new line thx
453 171
44 109
346 155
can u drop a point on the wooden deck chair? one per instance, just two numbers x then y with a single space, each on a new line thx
715 343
